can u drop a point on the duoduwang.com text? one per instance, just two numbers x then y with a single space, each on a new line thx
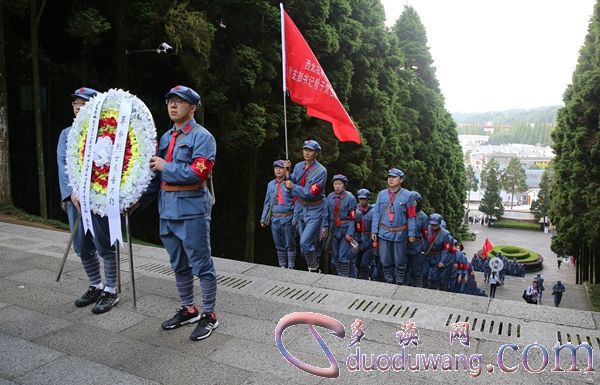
473 363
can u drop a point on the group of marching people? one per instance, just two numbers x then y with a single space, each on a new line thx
392 240
510 267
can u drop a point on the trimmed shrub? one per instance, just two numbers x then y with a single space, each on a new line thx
520 254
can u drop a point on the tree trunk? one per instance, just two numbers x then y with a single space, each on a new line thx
251 205
5 189
581 264
469 201
37 108
576 259
512 198
596 265
576 269
586 276
120 43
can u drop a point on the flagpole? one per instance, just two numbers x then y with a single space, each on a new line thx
283 79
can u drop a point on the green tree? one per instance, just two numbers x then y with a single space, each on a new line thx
541 206
576 191
472 183
430 129
491 203
513 179
87 24
242 105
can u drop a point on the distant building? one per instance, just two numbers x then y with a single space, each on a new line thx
472 140
531 157
489 127
534 178
532 195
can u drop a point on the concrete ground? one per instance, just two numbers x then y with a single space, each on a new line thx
574 297
45 339
536 241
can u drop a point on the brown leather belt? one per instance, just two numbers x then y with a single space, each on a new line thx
282 214
393 229
183 187
312 203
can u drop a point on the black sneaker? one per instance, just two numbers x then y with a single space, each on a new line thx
182 317
89 297
208 322
106 302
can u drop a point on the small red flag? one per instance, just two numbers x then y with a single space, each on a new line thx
487 247
308 85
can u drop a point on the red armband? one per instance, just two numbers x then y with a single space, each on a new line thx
315 189
352 214
412 211
425 233
359 226
202 167
446 246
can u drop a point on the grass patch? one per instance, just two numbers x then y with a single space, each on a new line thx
517 225
469 237
516 253
13 214
594 295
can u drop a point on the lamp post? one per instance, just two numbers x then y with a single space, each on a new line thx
162 48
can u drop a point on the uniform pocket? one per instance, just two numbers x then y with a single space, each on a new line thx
193 202
183 154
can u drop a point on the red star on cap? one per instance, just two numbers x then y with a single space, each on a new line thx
177 88
82 90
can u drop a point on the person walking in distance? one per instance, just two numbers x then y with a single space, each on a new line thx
493 284
557 291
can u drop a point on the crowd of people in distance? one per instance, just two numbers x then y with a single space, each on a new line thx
511 267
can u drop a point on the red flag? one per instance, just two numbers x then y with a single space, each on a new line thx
487 247
308 85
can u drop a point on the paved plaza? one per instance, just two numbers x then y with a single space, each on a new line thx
45 339
574 297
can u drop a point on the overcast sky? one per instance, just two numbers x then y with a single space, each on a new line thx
493 55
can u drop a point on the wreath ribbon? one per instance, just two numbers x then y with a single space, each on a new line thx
114 176
84 189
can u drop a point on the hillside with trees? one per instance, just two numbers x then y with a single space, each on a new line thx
511 126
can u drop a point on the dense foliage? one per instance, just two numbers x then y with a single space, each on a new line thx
513 179
491 203
576 189
541 206
230 51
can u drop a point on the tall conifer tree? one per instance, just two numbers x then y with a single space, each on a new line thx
576 192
